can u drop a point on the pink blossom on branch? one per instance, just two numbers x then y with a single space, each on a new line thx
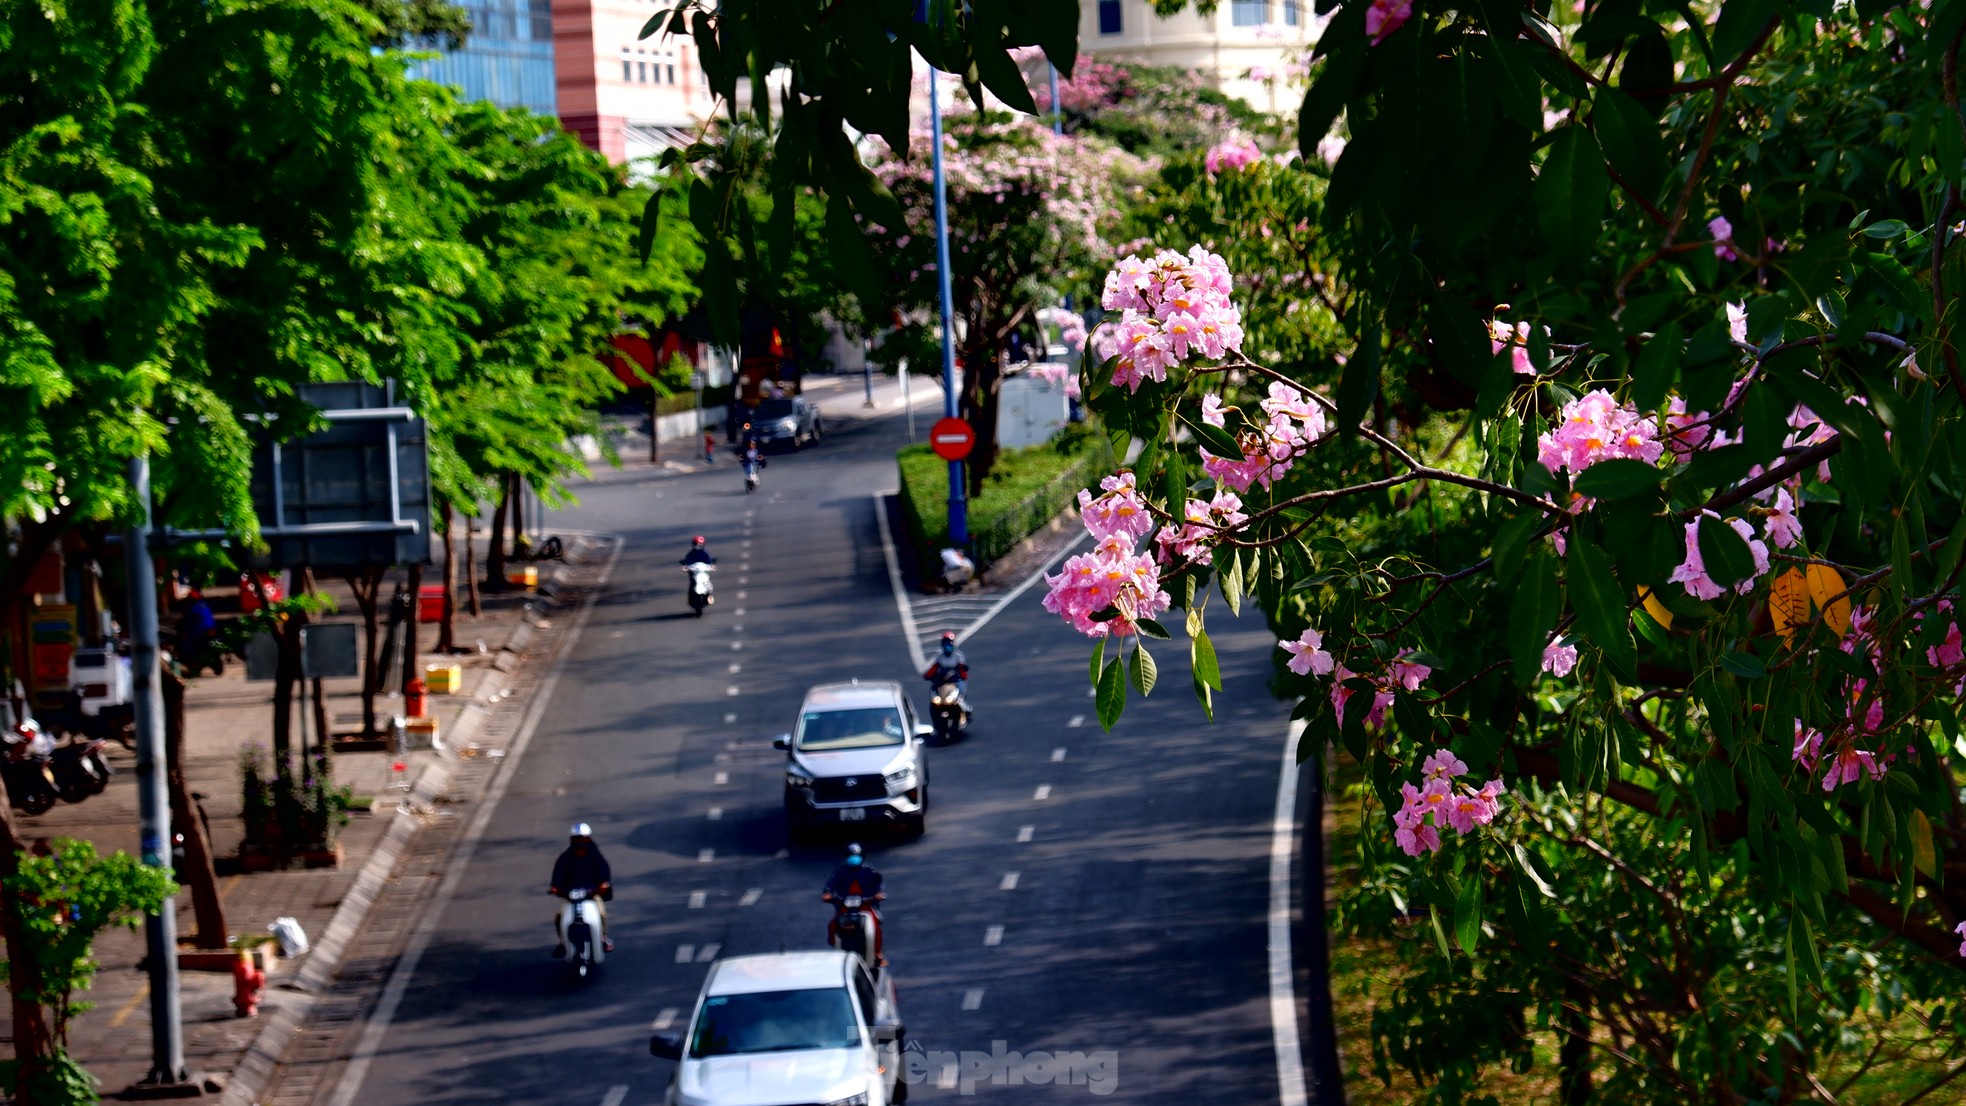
1961 931
1596 427
1558 658
1692 573
1230 155
1118 511
1203 525
1441 802
1723 238
1112 575
1307 654
1383 17
1782 526
1172 308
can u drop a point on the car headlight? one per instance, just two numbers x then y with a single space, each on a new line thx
794 779
788 424
857 1100
901 780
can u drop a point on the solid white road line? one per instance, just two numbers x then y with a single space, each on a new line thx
685 953
1024 833
751 897
1291 1090
993 936
616 1095
973 999
697 899
1075 722
1042 793
350 1088
908 632
664 1018
1009 882
705 856
1058 754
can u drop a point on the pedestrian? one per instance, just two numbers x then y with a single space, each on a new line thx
709 448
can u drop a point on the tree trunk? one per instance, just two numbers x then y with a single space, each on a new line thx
495 555
367 586
471 564
1319 1036
1573 1054
411 626
34 1040
447 622
200 879
517 497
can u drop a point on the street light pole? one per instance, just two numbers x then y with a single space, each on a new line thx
958 504
1057 109
153 804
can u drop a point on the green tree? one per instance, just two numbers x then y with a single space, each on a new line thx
418 24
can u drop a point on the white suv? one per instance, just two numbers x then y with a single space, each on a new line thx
808 1027
856 757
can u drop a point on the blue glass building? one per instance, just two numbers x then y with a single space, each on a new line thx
507 58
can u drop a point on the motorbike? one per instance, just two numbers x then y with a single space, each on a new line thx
79 769
947 712
580 920
29 786
112 722
700 592
856 929
751 476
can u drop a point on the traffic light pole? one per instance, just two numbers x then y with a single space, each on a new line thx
958 503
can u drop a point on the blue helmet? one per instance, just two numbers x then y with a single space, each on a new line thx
853 857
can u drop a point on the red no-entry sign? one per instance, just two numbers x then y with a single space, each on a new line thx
952 439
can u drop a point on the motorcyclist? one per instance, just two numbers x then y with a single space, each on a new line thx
582 867
754 457
855 876
949 666
698 554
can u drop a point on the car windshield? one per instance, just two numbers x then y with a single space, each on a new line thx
775 409
774 1021
866 728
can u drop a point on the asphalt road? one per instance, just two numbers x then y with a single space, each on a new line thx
1134 934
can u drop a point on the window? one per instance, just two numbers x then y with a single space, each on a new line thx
1250 13
1290 14
672 72
627 70
1109 17
642 68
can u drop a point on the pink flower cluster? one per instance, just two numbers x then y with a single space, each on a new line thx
1400 674
1384 17
1293 423
1516 339
1069 326
1230 155
1723 238
1595 427
1203 524
1559 658
1693 571
1113 574
1061 375
1439 801
1307 654
1172 308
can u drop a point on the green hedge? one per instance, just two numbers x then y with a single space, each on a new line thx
1025 489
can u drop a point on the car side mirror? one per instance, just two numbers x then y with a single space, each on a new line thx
888 1030
923 732
782 741
666 1046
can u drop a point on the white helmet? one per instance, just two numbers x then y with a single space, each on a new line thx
581 829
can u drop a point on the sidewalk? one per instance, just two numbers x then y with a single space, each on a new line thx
222 714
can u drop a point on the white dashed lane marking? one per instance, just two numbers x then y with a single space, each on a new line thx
1042 793
1076 721
705 856
685 953
664 1018
736 668
1058 754
731 691
1009 882
707 953
1024 834
716 813
736 645
729 718
973 999
616 1095
720 778
751 897
993 936
697 899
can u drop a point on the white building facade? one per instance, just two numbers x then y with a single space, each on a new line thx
1254 50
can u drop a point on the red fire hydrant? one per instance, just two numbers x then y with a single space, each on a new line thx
247 982
413 697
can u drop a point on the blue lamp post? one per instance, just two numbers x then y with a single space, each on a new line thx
958 502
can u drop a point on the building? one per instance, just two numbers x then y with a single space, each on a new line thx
625 96
1251 49
507 58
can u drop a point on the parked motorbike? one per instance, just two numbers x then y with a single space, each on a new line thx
29 786
580 920
700 592
855 929
947 712
113 722
79 769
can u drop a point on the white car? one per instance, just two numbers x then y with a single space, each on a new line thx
806 1027
856 758
102 677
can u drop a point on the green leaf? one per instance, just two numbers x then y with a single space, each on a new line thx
1201 654
1745 665
1215 439
1630 137
1360 381
1532 866
651 219
1618 478
1001 76
1725 553
1601 605
1538 603
1440 931
1512 542
1467 913
1111 698
1150 628
1098 661
1886 228
1740 23
1337 81
1657 368
1229 579
1570 194
1142 669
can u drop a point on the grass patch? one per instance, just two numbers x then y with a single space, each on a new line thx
1025 489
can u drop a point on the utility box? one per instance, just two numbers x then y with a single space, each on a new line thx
422 733
1033 410
443 679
